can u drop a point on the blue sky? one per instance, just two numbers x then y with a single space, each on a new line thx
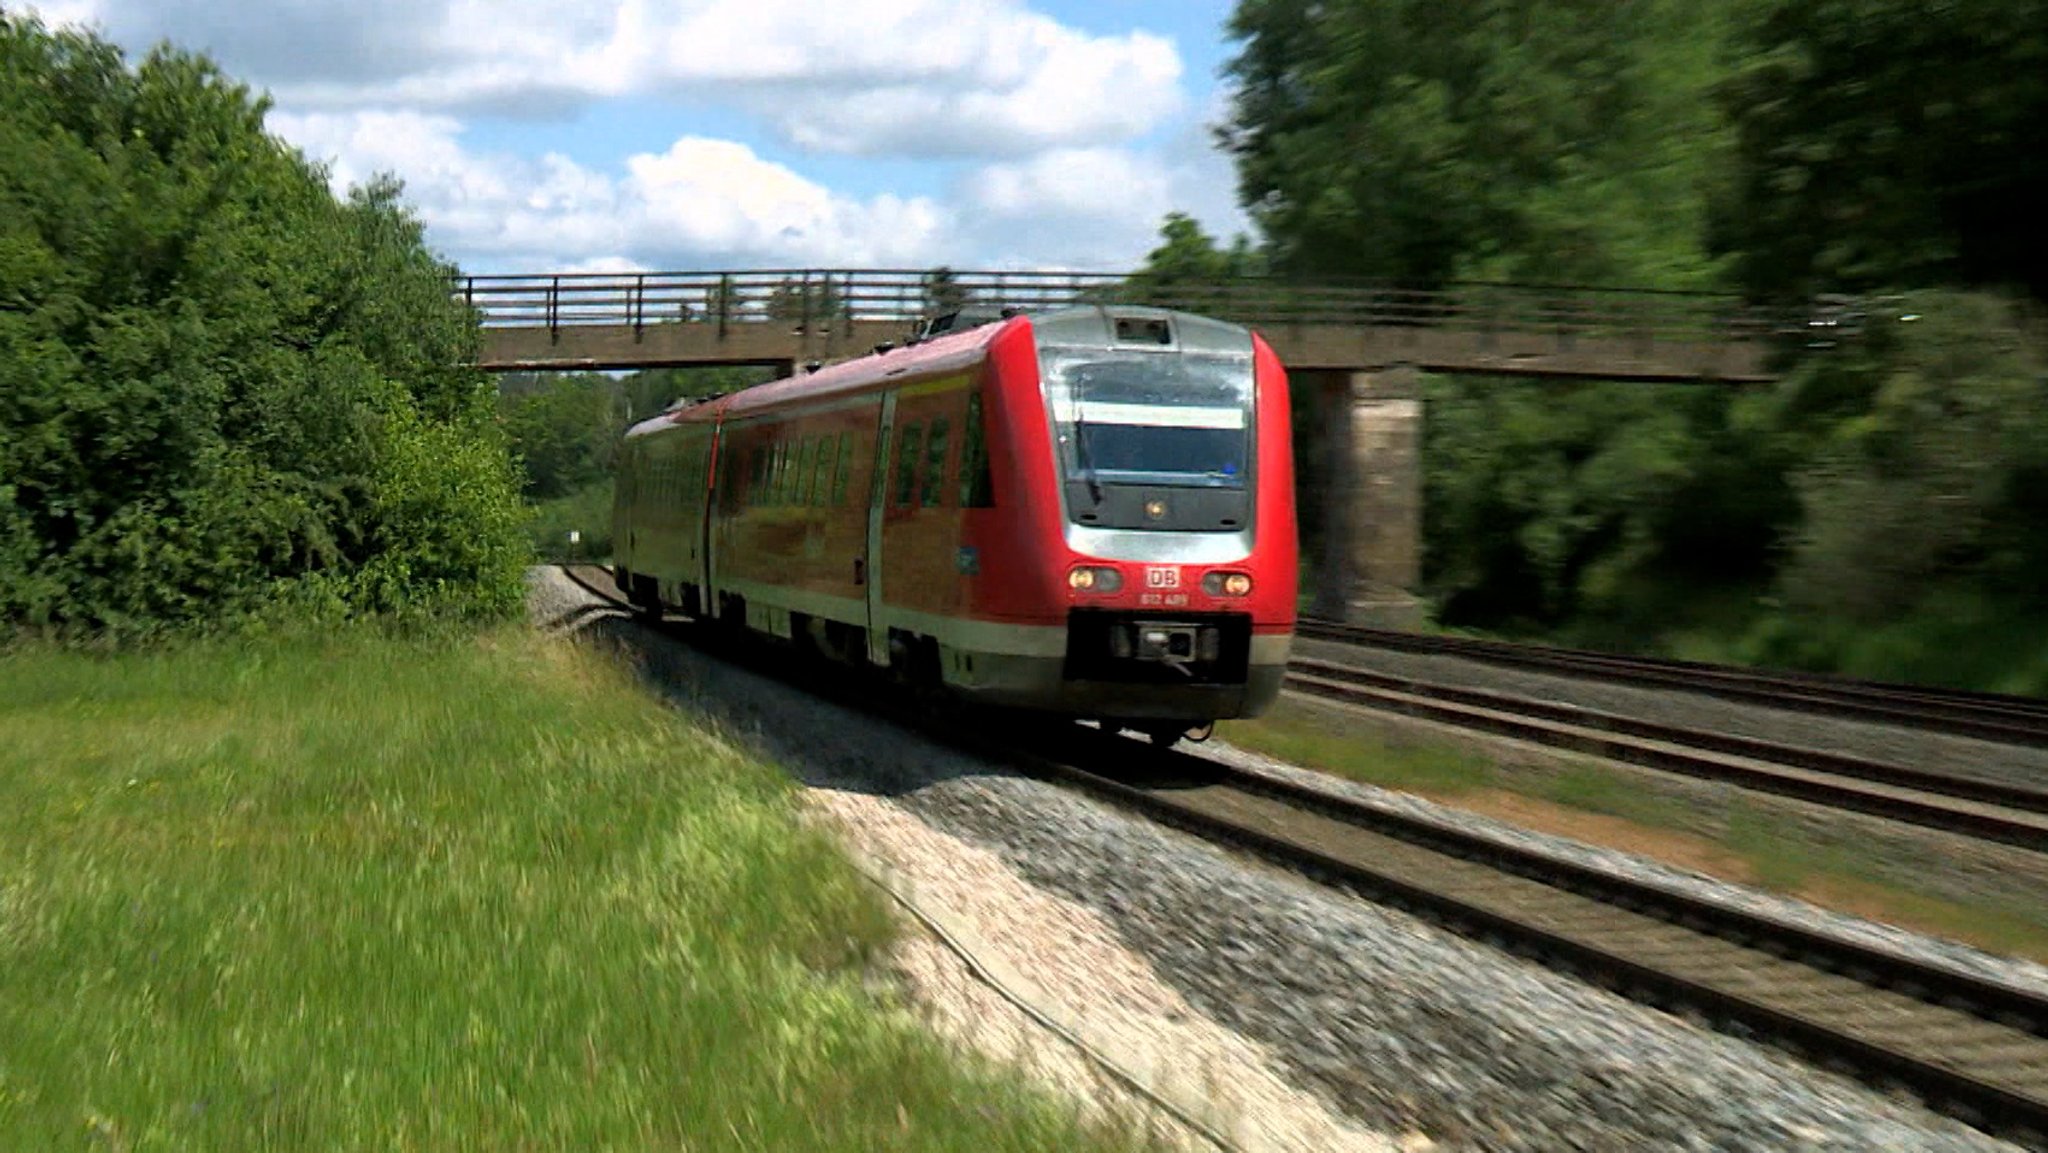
646 134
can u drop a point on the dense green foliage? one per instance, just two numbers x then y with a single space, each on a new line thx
565 429
1887 144
220 387
1874 511
1428 140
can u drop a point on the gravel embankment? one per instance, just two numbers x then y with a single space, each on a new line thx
1947 865
1065 960
1900 745
1401 1026
1963 958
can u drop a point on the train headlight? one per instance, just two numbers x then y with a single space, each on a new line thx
1226 584
1095 579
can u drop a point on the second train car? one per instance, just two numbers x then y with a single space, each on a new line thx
1086 512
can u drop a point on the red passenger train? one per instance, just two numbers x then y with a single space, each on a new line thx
1086 512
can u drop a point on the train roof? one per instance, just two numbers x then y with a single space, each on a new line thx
1090 325
943 353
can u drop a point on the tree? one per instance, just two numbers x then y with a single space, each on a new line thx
943 293
223 385
1424 141
807 301
1187 268
564 431
1890 145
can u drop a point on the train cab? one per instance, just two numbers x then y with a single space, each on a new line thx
1164 520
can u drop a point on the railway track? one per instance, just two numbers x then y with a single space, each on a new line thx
2009 813
1973 1048
1970 1046
1984 716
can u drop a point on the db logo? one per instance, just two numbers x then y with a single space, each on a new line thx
1162 578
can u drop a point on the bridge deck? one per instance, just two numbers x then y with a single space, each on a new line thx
1301 346
680 319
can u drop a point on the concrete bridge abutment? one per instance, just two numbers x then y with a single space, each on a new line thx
1361 492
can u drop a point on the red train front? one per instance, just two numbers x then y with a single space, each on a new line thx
1088 512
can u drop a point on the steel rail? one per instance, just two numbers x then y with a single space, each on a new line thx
1971 1046
1886 1015
1984 716
1988 810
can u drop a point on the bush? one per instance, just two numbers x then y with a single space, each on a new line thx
220 381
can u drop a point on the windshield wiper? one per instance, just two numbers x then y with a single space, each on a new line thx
1082 456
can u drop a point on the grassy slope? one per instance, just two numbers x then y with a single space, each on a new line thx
365 893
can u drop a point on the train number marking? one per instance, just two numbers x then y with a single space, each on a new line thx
1156 600
1162 577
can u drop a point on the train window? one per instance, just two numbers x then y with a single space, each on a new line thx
779 489
839 468
878 470
758 459
806 464
822 472
934 465
907 446
977 487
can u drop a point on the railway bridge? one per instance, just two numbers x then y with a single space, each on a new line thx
1354 351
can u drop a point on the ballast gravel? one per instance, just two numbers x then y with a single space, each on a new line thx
2016 972
1404 1028
1063 958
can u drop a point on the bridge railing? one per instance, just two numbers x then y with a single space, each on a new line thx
814 299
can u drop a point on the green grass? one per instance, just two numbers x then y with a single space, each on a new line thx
1306 735
1783 860
1591 789
367 893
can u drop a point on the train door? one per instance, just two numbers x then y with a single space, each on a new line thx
871 564
706 500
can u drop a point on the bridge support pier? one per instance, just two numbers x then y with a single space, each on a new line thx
1365 483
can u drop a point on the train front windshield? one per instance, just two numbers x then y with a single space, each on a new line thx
1149 417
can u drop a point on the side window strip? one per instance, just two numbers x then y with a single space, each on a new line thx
977 485
839 477
934 488
907 449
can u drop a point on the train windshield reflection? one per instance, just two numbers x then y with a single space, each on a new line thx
1150 418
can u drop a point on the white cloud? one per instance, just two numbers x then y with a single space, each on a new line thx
723 198
1095 182
701 202
64 11
919 77
1203 177
1052 116
1083 209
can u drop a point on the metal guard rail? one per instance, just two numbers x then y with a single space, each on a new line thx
807 297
